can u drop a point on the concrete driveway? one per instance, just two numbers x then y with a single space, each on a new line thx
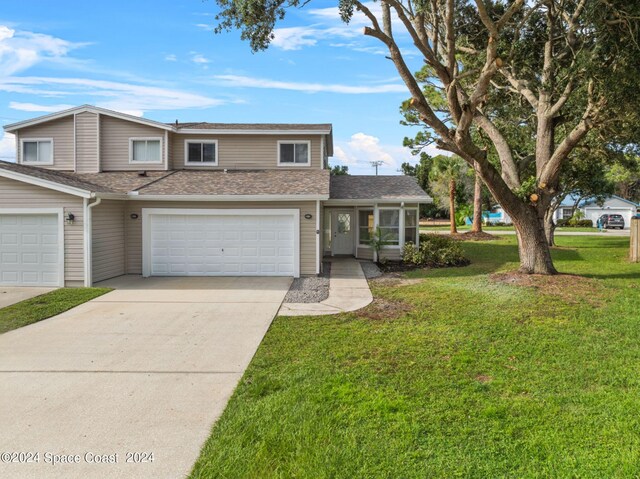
145 369
15 294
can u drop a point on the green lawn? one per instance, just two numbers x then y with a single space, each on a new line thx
426 229
45 306
476 379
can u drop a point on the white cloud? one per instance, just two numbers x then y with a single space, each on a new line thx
362 149
7 147
14 105
129 97
199 58
20 50
171 57
295 38
251 82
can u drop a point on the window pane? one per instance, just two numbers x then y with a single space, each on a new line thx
390 218
365 224
410 218
139 150
410 235
209 152
344 222
44 151
195 152
302 153
389 235
153 150
30 151
286 153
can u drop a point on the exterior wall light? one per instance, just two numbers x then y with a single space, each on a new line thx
70 218
308 216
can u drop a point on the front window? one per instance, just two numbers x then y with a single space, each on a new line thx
365 226
389 223
202 152
411 226
146 150
567 213
293 153
37 151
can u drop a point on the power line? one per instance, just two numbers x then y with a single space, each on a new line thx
376 164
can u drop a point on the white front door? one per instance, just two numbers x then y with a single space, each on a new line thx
30 250
342 225
220 243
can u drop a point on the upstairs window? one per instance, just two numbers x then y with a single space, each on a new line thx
293 153
201 152
145 150
37 152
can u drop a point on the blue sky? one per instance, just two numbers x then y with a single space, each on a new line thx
161 60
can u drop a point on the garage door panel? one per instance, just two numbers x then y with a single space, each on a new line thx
30 250
218 245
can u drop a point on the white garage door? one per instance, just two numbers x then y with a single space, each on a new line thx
30 250
200 243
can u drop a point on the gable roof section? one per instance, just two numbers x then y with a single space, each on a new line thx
619 198
373 188
54 180
84 108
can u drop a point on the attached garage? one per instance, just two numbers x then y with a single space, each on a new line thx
31 247
221 242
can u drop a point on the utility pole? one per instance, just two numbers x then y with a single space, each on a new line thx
375 164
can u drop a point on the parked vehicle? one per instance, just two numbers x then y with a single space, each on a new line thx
611 221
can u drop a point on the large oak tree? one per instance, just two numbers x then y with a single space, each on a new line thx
571 65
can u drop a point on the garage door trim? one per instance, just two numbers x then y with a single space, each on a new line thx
148 212
46 211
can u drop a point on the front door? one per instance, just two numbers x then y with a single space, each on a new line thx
342 223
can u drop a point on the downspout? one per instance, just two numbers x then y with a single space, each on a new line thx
88 246
318 257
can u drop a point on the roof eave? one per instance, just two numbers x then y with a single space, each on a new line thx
156 197
370 201
81 109
255 131
51 185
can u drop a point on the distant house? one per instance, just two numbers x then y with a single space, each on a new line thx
590 208
612 205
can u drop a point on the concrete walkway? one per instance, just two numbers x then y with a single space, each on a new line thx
144 369
348 291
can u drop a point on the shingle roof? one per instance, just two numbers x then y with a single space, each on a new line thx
68 179
350 187
241 182
252 126
121 181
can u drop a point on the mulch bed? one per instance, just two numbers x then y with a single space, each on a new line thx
469 236
572 288
384 309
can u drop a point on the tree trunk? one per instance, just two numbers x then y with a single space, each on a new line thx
550 227
535 255
452 205
476 226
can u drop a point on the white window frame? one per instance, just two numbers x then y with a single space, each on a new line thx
373 212
200 163
295 142
401 224
35 140
146 138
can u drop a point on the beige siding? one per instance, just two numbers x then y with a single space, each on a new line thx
87 143
108 244
307 227
244 151
114 144
15 194
61 131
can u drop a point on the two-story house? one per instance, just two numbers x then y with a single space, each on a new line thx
96 194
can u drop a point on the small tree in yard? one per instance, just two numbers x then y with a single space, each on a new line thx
446 173
570 66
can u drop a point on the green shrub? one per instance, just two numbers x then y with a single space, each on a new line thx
572 223
435 251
